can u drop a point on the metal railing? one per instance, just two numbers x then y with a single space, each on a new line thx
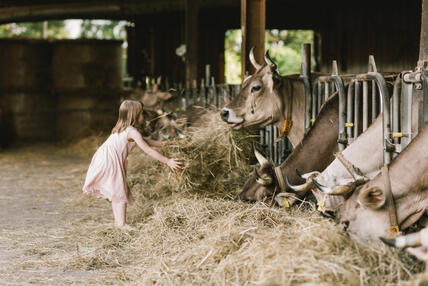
362 97
355 102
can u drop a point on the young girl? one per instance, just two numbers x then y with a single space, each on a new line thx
106 177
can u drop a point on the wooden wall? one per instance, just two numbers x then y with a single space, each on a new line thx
389 32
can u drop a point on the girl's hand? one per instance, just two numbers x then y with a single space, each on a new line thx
174 164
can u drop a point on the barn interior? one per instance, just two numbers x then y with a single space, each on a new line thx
186 228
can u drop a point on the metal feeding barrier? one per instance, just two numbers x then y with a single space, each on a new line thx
363 97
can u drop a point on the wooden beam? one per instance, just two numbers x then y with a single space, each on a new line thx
253 23
423 46
16 11
191 35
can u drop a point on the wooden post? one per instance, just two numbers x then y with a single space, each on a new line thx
191 35
253 23
423 47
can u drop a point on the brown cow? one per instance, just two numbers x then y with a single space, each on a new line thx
365 211
268 98
315 152
155 99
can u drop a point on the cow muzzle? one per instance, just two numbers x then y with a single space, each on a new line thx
229 116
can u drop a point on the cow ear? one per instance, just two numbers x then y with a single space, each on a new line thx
372 197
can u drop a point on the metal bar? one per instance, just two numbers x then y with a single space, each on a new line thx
384 109
342 115
424 75
314 96
350 111
326 91
357 103
409 112
213 91
262 136
275 145
374 102
281 151
365 105
406 112
207 74
269 140
305 76
396 108
194 92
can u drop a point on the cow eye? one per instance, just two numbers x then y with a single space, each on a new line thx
256 88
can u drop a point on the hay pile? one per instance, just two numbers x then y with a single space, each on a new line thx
215 162
188 231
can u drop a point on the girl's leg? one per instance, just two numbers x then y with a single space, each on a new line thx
119 213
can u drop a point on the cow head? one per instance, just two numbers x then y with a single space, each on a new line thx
365 213
259 101
261 184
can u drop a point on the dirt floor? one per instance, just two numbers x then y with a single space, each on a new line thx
37 214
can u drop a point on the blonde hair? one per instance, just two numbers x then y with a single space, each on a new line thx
129 111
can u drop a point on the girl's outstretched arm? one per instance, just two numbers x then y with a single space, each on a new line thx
154 143
136 136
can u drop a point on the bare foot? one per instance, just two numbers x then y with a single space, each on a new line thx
126 227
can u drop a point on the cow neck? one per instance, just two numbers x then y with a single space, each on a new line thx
285 122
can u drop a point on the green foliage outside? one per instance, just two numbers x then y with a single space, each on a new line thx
52 29
284 48
94 29
103 29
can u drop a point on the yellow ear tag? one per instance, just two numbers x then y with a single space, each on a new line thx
394 231
321 204
286 128
285 203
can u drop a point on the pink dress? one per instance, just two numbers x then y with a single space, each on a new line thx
106 177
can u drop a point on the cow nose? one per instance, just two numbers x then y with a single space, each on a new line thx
238 198
224 114
345 224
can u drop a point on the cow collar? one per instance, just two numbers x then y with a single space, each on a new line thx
280 178
288 101
394 228
286 128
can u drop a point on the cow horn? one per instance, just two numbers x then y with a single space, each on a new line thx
262 160
306 176
300 188
338 190
268 60
412 240
253 60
